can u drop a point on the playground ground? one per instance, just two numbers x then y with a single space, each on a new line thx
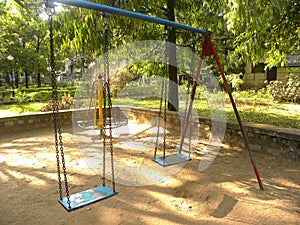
225 193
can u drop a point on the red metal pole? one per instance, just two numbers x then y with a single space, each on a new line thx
195 84
212 51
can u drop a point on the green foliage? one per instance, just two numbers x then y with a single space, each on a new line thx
266 114
288 92
140 89
120 79
254 107
22 107
24 36
265 30
253 97
234 81
21 98
243 31
41 94
5 93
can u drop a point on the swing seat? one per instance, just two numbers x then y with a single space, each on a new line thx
172 159
87 197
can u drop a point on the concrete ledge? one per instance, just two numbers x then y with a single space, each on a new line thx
277 141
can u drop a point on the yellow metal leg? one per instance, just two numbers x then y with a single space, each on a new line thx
99 107
100 101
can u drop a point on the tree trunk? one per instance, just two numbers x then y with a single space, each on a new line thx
7 78
38 74
72 73
39 80
26 79
173 84
16 76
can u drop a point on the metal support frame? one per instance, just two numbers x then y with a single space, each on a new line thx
208 50
136 15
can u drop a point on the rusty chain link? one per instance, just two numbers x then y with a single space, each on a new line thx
107 97
163 96
57 127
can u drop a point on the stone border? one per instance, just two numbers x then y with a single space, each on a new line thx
277 141
28 122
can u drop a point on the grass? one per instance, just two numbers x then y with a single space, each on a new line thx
12 109
276 114
258 108
258 111
253 107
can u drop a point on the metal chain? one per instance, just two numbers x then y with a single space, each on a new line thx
166 88
104 102
191 75
163 95
107 97
109 107
56 119
159 116
165 119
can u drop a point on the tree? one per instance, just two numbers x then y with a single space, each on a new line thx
266 30
173 85
82 29
24 35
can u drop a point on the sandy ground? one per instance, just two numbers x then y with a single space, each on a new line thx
225 193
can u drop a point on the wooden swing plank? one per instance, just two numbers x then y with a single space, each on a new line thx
87 197
172 159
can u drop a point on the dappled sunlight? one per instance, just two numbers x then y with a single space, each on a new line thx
279 187
169 181
48 175
223 192
183 205
19 160
132 128
80 166
7 145
37 154
152 220
235 188
4 177
24 156
279 195
32 180
2 158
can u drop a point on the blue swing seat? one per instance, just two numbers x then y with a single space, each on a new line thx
87 197
172 159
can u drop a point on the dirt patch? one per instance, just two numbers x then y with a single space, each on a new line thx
225 193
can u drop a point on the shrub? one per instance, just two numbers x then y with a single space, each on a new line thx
288 92
66 102
42 94
5 93
120 79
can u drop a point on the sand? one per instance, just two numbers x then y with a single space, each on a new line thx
225 193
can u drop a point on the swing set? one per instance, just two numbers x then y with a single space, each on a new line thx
103 108
176 158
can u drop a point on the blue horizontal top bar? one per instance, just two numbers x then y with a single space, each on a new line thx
114 10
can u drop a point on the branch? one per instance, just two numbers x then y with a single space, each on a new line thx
20 4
